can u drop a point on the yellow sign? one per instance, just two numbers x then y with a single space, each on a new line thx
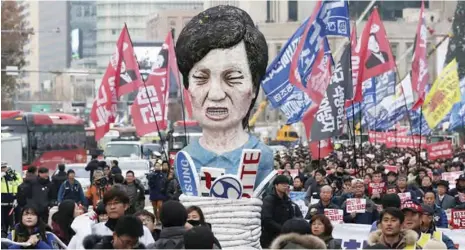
442 96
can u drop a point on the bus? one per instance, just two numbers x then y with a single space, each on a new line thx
47 139
178 139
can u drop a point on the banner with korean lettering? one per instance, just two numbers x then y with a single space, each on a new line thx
457 114
440 150
356 205
321 149
451 177
329 119
443 95
458 218
336 216
404 141
150 108
103 110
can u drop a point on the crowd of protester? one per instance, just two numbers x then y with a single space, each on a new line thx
123 223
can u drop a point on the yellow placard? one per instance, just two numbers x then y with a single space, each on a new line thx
442 96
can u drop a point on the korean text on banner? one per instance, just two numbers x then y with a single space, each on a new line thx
442 96
405 197
440 150
451 177
458 218
336 216
355 205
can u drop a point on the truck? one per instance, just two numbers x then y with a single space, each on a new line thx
12 152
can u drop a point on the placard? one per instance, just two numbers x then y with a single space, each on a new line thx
404 197
458 218
299 199
451 177
248 167
336 216
355 205
440 150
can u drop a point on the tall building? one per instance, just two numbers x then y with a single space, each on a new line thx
83 34
111 16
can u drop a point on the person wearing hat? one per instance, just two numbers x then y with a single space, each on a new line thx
391 234
413 213
391 177
71 189
97 189
443 199
10 182
437 176
277 208
459 192
387 201
440 217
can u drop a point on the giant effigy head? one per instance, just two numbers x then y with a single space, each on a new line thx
222 57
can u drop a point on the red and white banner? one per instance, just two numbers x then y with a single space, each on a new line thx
451 177
376 188
420 74
404 197
404 141
320 76
374 51
150 108
458 218
355 205
121 76
248 167
377 137
390 168
321 149
336 216
440 150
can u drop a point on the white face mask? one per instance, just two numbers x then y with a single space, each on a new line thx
221 88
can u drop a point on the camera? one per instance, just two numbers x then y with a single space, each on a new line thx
10 175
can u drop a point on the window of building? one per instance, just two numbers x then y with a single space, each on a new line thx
292 10
394 46
86 10
78 11
113 32
278 48
94 10
268 10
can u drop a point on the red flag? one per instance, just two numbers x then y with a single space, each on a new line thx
374 51
130 78
420 74
150 108
104 107
320 76
321 149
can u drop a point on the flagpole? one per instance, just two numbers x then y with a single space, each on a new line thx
162 141
319 158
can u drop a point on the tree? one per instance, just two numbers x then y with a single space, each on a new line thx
14 36
457 42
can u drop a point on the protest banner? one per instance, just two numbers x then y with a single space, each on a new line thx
390 168
439 150
404 141
404 197
336 216
458 218
356 205
299 199
376 188
451 177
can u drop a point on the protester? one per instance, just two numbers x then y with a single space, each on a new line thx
459 192
135 191
32 229
439 215
296 225
388 200
173 216
63 218
371 212
92 166
297 241
115 169
173 189
313 192
200 237
322 228
71 189
298 184
391 235
195 218
277 208
97 189
148 220
127 232
102 215
157 184
326 195
428 229
58 178
444 200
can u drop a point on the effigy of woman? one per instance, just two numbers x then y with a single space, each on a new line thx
222 57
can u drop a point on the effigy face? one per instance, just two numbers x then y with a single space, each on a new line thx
221 88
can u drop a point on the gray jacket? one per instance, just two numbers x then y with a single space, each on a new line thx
446 203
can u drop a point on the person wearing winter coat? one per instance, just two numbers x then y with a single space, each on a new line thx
440 217
444 200
93 165
371 213
173 216
322 228
157 184
277 208
297 241
173 189
135 191
116 204
32 229
196 218
37 191
200 237
63 218
148 220
391 235
71 189
313 192
326 194
58 178
128 230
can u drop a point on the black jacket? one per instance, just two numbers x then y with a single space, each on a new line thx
37 192
171 238
139 203
319 208
276 211
102 242
57 180
92 166
173 189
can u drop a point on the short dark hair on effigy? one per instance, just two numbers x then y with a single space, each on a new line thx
222 27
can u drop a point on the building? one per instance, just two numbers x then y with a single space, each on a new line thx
160 23
111 16
83 34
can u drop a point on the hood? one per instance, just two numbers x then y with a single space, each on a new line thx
297 241
409 237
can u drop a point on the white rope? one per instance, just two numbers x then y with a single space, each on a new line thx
235 223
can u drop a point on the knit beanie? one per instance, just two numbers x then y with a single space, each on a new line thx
296 225
173 214
199 238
